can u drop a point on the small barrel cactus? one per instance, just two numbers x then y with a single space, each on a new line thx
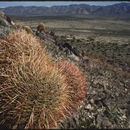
41 27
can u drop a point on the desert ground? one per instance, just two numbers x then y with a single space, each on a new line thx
110 37
106 66
99 28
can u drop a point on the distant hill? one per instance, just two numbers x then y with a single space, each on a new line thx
121 10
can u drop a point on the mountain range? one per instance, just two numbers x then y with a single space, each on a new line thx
121 10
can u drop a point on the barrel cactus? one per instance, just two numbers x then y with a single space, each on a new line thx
75 79
41 27
34 92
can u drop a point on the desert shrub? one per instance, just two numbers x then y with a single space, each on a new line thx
18 26
84 53
34 92
2 14
3 22
41 27
28 29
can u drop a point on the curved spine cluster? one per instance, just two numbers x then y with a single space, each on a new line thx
35 92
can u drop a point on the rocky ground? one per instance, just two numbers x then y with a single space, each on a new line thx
107 102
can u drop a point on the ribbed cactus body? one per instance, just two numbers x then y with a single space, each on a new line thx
75 79
41 27
34 91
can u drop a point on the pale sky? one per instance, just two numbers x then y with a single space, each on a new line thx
53 3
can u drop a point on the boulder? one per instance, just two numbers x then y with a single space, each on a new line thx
2 14
74 58
3 22
76 52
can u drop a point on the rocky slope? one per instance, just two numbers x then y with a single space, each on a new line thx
107 102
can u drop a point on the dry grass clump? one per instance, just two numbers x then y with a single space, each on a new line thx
18 26
41 27
75 79
34 92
